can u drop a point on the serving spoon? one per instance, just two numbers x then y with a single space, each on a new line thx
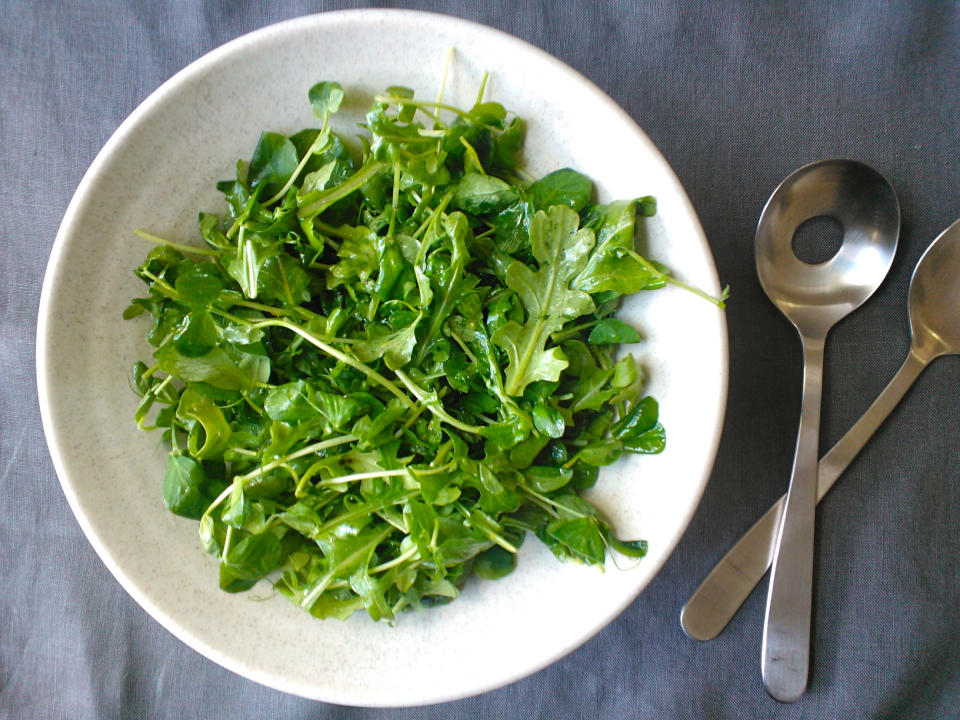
934 303
814 298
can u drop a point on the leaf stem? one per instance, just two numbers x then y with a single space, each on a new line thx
342 357
395 199
572 332
407 554
433 404
309 450
649 267
328 197
156 239
315 147
331 230
397 100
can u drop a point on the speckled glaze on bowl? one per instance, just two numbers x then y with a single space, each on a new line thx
159 169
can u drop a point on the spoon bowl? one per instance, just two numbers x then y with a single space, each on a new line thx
864 204
935 297
814 297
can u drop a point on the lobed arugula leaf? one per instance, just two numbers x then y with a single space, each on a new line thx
562 252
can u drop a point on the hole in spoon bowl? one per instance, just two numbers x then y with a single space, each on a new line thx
817 240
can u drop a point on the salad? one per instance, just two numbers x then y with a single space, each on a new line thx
383 369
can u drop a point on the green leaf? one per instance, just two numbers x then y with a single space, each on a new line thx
561 187
561 251
649 442
581 537
494 563
610 267
289 403
185 487
512 227
610 331
281 278
641 417
343 554
450 280
272 164
198 284
601 453
358 259
546 479
548 420
248 560
394 347
228 371
209 433
483 194
373 591
196 335
593 392
630 548
338 410
325 98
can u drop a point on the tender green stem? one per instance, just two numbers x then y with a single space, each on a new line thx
434 216
342 357
158 388
408 554
486 530
483 87
226 543
242 218
395 199
433 404
719 302
543 498
573 332
351 184
315 148
446 71
472 154
354 477
362 511
308 450
422 104
162 285
463 345
331 230
144 235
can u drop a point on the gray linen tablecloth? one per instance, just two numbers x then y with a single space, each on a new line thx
736 95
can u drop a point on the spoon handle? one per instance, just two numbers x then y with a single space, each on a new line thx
728 585
786 627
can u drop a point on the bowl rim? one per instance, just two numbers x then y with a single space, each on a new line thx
82 195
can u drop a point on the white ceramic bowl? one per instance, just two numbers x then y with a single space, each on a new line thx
159 169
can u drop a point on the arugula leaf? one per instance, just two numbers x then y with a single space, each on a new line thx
561 187
281 278
610 267
325 98
274 161
240 371
187 491
248 560
481 194
562 252
611 331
